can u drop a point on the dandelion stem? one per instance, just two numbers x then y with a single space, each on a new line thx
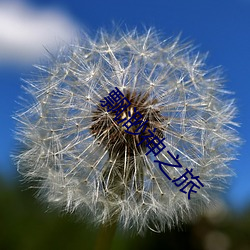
105 236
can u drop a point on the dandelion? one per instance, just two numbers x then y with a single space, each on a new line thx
84 161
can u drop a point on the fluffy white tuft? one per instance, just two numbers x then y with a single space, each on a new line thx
68 161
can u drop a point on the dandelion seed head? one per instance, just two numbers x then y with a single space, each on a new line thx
82 158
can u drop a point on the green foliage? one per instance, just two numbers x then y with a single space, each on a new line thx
25 226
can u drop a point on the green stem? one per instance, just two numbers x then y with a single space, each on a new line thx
105 236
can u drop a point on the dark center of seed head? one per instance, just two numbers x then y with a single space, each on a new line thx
118 136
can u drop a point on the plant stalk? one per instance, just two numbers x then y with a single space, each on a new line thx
105 236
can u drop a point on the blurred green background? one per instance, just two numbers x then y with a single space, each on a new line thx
27 225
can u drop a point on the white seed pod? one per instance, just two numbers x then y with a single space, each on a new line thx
84 159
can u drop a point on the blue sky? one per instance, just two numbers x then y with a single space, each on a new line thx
221 27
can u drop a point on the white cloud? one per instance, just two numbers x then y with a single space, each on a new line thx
25 31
